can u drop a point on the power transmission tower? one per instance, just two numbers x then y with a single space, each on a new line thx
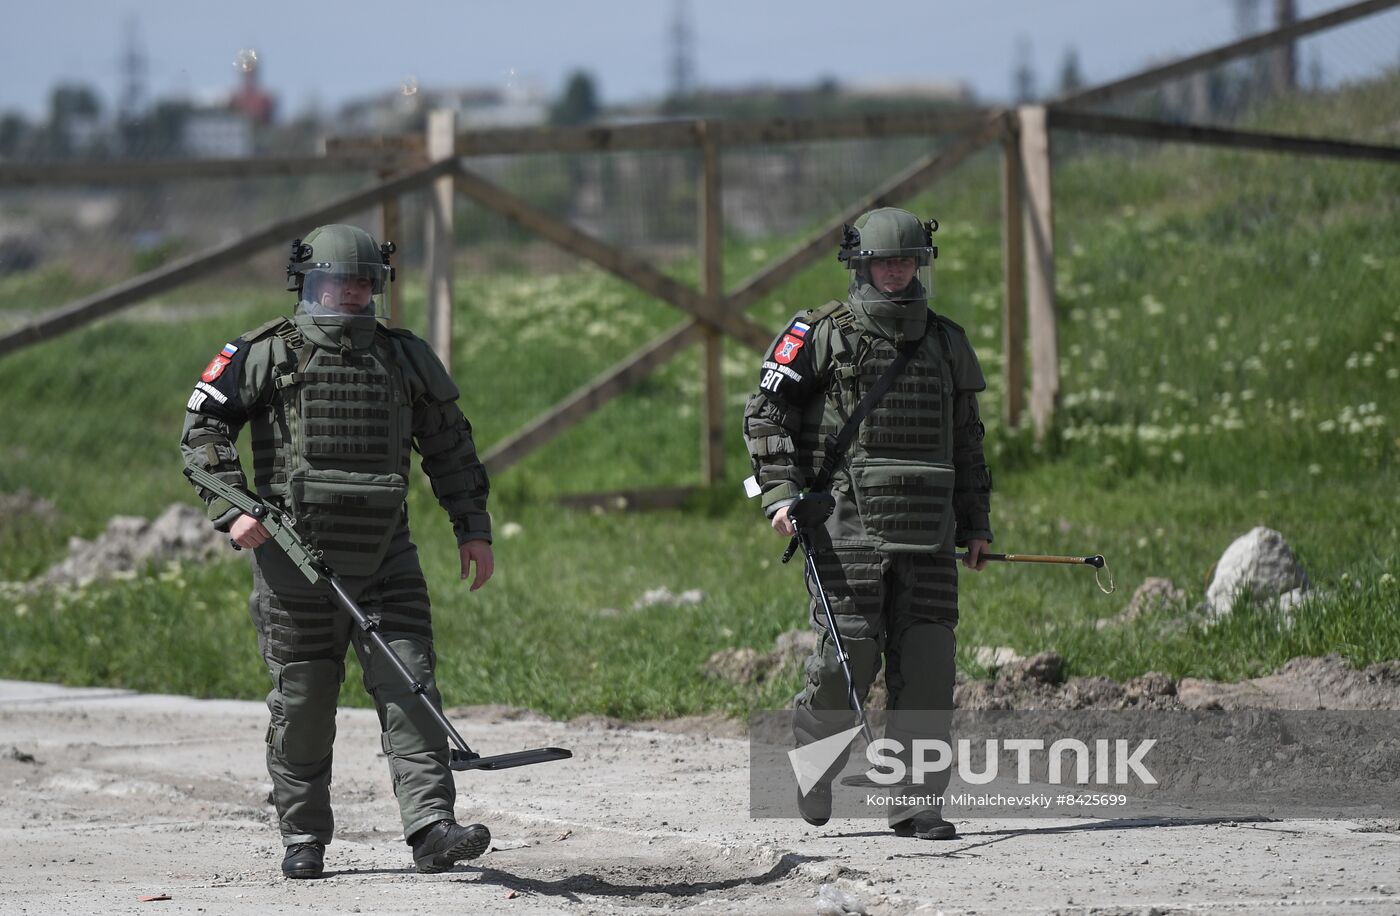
682 51
133 74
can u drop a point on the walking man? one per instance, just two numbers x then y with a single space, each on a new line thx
335 400
912 483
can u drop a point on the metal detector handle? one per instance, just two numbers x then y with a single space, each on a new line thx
808 510
304 556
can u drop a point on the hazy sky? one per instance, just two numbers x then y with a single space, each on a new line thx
327 53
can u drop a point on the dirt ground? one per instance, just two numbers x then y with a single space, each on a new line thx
109 796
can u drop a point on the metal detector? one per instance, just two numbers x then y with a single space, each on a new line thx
309 561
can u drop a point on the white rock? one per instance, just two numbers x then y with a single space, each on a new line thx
664 595
833 901
995 656
1261 560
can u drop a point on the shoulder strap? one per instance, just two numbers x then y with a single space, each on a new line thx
266 328
301 356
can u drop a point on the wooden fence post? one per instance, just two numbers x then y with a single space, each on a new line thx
712 287
1040 267
442 144
1013 265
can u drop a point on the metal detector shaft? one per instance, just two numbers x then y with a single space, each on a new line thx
1094 561
462 757
835 632
371 629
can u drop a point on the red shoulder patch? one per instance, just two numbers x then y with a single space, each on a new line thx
786 350
216 367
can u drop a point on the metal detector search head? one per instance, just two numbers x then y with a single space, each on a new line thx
474 761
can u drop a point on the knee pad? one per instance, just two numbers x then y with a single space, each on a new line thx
305 697
408 727
926 667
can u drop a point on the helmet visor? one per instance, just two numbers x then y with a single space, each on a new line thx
903 275
348 288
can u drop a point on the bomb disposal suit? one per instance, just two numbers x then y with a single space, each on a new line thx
912 484
335 400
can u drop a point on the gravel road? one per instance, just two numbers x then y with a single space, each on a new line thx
109 796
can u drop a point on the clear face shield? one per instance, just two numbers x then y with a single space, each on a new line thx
345 289
903 275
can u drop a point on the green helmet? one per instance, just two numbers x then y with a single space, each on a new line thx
337 253
890 254
888 233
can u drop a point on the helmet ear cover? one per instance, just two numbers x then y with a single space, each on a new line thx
301 253
385 250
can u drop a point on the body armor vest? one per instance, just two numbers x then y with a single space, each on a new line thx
899 469
334 445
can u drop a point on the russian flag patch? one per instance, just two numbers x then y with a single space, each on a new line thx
228 350
799 329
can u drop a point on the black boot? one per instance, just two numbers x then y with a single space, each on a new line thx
929 825
439 846
815 806
304 860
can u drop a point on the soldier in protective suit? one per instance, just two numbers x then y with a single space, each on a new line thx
912 484
335 400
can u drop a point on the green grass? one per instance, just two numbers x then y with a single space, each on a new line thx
1229 336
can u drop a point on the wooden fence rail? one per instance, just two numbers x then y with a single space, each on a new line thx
1165 131
1156 76
279 233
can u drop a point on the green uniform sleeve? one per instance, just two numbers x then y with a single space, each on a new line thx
216 411
443 437
788 378
972 486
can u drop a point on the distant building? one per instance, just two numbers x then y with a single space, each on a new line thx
252 101
405 109
217 133
953 91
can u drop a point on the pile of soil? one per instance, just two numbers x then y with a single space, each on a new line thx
1039 682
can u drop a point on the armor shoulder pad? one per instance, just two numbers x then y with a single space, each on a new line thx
427 375
967 371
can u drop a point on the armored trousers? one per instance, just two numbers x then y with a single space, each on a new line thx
303 637
897 610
